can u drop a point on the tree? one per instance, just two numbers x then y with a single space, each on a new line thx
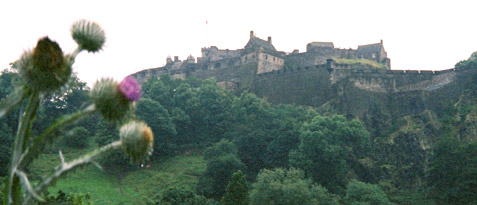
178 196
470 62
279 186
222 162
220 149
154 114
77 137
160 90
453 171
5 147
215 110
363 193
213 182
328 148
237 191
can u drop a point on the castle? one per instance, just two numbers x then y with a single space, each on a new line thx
350 81
266 57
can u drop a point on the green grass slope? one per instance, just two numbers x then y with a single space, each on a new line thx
136 187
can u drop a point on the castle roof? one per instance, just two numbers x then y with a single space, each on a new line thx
322 44
255 44
370 48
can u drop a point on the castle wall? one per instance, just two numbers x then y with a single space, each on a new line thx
215 54
356 91
268 63
295 60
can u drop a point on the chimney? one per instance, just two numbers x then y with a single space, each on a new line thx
270 39
381 41
176 58
251 34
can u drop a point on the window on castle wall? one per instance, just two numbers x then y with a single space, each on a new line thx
374 55
266 56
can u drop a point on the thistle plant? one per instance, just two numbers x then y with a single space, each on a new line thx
46 69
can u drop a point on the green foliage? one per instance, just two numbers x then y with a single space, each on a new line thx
64 198
116 163
77 137
453 172
220 168
363 193
279 186
237 191
2 184
105 133
219 149
178 171
469 63
213 182
264 134
6 142
154 114
328 148
178 196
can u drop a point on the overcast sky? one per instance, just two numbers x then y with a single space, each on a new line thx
431 35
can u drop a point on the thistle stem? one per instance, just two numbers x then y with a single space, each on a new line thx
48 135
26 119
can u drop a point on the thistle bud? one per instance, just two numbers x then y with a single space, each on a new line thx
137 140
113 99
45 68
130 89
109 101
89 35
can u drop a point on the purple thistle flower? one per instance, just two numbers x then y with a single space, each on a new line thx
130 88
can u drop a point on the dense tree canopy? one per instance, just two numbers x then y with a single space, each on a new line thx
279 186
237 190
328 149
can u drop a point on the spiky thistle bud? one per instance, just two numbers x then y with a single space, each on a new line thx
113 99
46 68
130 88
137 140
89 35
108 100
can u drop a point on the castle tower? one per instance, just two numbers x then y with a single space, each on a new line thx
168 60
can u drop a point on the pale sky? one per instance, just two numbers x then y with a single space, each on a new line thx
427 35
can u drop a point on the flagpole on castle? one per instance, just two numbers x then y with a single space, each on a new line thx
206 33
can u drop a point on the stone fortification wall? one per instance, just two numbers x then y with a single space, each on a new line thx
268 63
295 60
358 91
215 54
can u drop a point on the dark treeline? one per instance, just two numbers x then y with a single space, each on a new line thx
259 153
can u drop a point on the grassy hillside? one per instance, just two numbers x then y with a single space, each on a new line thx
177 171
136 187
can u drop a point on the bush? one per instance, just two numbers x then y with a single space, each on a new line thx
77 138
67 198
279 186
237 191
179 195
363 193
